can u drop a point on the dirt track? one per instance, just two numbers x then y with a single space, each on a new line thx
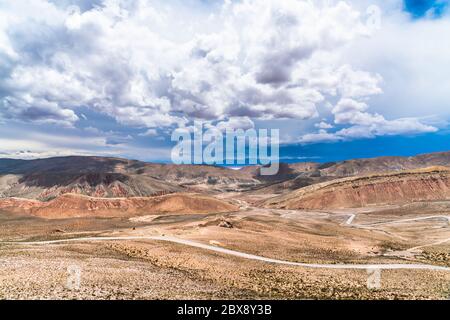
246 255
268 253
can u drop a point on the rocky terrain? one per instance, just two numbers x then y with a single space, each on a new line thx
45 179
73 205
129 268
138 230
431 184
384 164
47 186
108 177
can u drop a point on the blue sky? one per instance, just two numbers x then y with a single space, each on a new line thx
116 77
361 148
419 8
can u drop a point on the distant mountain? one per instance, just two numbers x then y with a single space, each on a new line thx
48 185
45 179
75 205
285 172
381 189
384 164
75 164
299 175
213 177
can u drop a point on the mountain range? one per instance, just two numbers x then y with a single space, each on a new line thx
45 179
69 185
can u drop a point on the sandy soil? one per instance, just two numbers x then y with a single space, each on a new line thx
162 270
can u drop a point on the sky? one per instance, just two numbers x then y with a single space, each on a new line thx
339 79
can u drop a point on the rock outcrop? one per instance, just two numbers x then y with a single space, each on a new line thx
396 188
73 205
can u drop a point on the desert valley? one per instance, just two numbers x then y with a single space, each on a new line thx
137 230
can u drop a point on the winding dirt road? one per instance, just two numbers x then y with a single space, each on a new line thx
349 221
243 255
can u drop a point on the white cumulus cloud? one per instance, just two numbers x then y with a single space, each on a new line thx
249 60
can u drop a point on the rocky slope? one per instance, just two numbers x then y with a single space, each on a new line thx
298 175
46 186
286 171
45 179
394 188
73 205
384 164
213 177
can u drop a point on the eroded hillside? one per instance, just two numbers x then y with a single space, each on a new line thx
394 188
73 205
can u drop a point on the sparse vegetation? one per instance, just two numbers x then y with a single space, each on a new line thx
225 210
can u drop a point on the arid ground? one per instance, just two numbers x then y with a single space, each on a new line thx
155 269
246 246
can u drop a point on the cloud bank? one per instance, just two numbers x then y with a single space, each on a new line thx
153 66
